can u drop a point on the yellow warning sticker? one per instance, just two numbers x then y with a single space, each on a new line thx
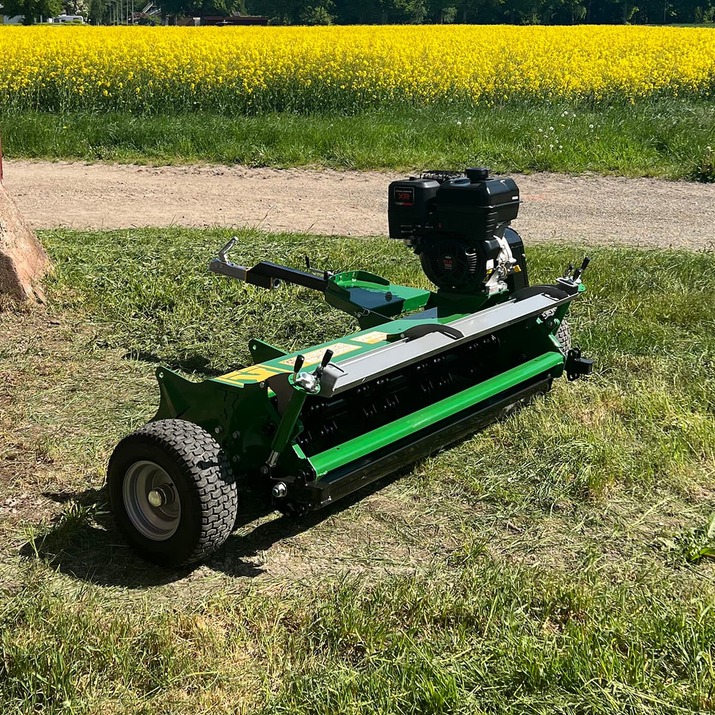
315 356
370 338
255 373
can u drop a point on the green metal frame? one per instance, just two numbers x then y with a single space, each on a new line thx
241 410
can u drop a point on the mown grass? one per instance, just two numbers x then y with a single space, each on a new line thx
667 137
545 565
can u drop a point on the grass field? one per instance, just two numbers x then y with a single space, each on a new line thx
550 564
669 138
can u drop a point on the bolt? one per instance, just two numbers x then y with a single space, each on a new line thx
154 497
279 490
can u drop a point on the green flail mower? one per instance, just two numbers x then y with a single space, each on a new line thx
426 368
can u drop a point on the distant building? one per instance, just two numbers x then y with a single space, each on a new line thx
218 20
66 19
11 19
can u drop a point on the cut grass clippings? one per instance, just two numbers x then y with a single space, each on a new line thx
661 137
544 565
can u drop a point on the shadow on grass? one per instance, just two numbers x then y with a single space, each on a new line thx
84 543
191 363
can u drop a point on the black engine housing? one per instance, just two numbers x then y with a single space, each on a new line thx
452 222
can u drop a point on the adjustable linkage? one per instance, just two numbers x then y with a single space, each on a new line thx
576 365
303 384
571 280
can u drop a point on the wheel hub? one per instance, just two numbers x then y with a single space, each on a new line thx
161 496
151 501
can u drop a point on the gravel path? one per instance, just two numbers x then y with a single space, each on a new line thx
587 209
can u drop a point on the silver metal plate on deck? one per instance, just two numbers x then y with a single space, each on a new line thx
382 361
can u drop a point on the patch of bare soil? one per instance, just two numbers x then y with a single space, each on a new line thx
583 209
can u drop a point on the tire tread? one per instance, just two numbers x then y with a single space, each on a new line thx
203 464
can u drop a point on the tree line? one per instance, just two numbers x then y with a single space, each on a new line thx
512 12
347 12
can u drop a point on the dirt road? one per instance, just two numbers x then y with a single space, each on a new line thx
589 209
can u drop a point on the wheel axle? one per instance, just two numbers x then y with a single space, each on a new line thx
161 496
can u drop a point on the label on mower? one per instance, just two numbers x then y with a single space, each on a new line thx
370 338
315 356
404 196
255 373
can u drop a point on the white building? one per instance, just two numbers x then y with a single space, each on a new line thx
63 19
14 20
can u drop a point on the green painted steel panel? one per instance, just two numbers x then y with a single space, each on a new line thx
343 349
369 442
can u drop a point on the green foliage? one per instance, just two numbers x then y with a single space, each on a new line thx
528 12
32 10
704 169
692 545
200 8
489 11
317 14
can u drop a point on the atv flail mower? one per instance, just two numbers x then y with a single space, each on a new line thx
426 369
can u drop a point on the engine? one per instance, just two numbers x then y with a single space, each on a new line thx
458 225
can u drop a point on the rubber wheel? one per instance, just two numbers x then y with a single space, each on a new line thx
563 335
563 332
172 492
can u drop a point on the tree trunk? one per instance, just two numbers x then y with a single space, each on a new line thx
23 261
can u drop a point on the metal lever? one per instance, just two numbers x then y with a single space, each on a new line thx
223 253
265 274
225 267
304 384
583 267
317 271
323 363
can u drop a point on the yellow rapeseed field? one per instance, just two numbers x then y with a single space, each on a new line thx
345 68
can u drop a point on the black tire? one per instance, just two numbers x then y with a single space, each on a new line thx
563 335
180 465
563 332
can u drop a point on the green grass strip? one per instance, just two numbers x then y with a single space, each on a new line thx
665 138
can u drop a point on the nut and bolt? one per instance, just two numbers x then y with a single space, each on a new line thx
279 490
